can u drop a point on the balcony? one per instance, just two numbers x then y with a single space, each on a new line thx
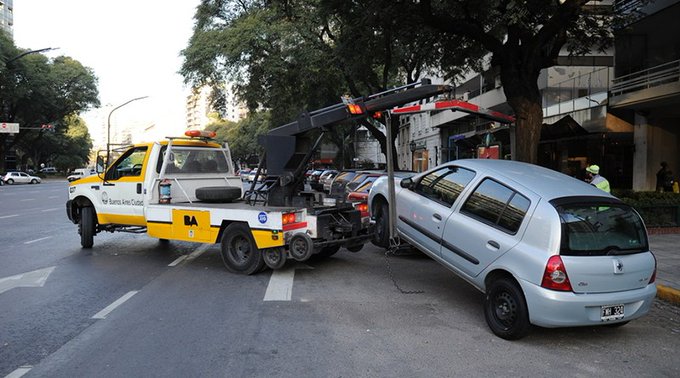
654 83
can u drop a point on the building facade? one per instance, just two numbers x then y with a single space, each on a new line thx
7 17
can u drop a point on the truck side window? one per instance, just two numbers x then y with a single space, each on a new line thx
130 164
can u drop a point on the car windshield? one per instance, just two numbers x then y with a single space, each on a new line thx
599 230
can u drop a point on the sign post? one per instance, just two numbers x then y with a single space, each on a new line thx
10 128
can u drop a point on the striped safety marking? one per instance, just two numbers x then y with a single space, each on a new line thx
458 105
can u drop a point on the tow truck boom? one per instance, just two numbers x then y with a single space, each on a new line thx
289 150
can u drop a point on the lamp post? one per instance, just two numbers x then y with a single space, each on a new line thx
23 54
108 127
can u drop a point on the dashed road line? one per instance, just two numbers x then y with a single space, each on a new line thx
178 260
197 252
19 372
27 199
280 286
52 209
37 240
9 216
52 197
103 313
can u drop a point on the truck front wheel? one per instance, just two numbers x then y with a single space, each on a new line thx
239 251
87 227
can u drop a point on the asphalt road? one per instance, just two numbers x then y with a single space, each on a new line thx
121 310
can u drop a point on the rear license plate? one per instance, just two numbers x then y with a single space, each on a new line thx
608 313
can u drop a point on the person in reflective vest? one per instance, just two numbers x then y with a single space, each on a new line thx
594 178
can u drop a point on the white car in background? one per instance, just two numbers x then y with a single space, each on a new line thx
80 173
20 178
545 248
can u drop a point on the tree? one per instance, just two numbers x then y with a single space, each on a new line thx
523 38
36 90
242 136
288 56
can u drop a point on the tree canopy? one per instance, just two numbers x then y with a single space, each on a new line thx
38 91
291 55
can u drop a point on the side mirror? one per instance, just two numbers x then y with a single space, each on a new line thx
407 183
100 164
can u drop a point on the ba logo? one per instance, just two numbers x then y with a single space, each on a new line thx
190 220
262 217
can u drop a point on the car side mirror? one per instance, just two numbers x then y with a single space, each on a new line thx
407 183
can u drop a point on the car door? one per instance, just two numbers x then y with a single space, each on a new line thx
121 196
486 226
23 178
423 210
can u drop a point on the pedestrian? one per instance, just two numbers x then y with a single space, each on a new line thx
664 179
594 178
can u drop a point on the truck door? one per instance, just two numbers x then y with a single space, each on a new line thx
122 192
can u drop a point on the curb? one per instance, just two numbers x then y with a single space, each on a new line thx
668 294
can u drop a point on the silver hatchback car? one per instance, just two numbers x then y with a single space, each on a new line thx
545 248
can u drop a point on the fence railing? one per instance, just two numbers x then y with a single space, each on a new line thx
651 77
580 92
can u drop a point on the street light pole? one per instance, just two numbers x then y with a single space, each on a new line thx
108 127
23 54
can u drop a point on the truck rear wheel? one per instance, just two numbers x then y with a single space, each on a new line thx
87 227
275 258
328 251
239 251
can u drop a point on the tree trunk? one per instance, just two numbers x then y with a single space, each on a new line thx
528 122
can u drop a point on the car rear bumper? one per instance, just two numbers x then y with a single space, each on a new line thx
549 308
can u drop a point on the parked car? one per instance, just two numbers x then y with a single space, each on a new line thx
244 173
20 178
324 178
260 177
337 188
80 173
313 178
49 171
545 248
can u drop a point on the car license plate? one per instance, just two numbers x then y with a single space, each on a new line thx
614 312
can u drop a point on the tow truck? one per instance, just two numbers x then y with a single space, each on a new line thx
185 188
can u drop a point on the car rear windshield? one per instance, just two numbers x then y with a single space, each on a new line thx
601 229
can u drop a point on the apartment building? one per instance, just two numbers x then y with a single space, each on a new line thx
7 17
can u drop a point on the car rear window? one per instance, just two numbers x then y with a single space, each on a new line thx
601 229
497 205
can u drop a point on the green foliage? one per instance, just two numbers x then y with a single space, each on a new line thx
658 209
35 90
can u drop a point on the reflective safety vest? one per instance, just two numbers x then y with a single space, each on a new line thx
601 183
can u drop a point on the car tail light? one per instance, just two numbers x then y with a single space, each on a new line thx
292 221
288 218
555 276
653 278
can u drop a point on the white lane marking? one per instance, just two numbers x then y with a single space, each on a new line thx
53 209
280 286
103 313
18 373
51 197
27 199
37 240
198 251
36 278
9 216
178 260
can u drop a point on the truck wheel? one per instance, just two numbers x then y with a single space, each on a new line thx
86 227
275 258
301 247
505 309
218 194
239 251
381 235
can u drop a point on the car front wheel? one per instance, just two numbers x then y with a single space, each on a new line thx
505 309
10 181
381 236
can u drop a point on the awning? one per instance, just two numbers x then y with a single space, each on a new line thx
566 127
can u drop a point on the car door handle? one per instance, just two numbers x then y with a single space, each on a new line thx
437 216
139 188
494 244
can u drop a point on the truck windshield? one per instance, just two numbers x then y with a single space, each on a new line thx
600 230
185 159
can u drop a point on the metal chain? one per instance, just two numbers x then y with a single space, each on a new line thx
394 245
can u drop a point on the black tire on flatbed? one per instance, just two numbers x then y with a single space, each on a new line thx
218 194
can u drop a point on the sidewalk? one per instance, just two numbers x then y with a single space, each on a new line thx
666 248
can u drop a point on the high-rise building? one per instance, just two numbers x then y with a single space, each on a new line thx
199 105
7 17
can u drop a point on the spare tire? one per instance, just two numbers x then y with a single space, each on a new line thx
218 194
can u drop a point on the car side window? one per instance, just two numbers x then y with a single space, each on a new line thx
497 205
130 164
445 185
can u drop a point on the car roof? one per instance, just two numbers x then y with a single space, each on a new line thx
545 182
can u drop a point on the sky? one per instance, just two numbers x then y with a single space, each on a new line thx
132 46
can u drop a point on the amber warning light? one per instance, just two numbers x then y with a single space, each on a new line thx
354 109
200 134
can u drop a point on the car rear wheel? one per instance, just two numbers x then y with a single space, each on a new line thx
381 236
10 181
34 181
87 227
239 251
505 309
